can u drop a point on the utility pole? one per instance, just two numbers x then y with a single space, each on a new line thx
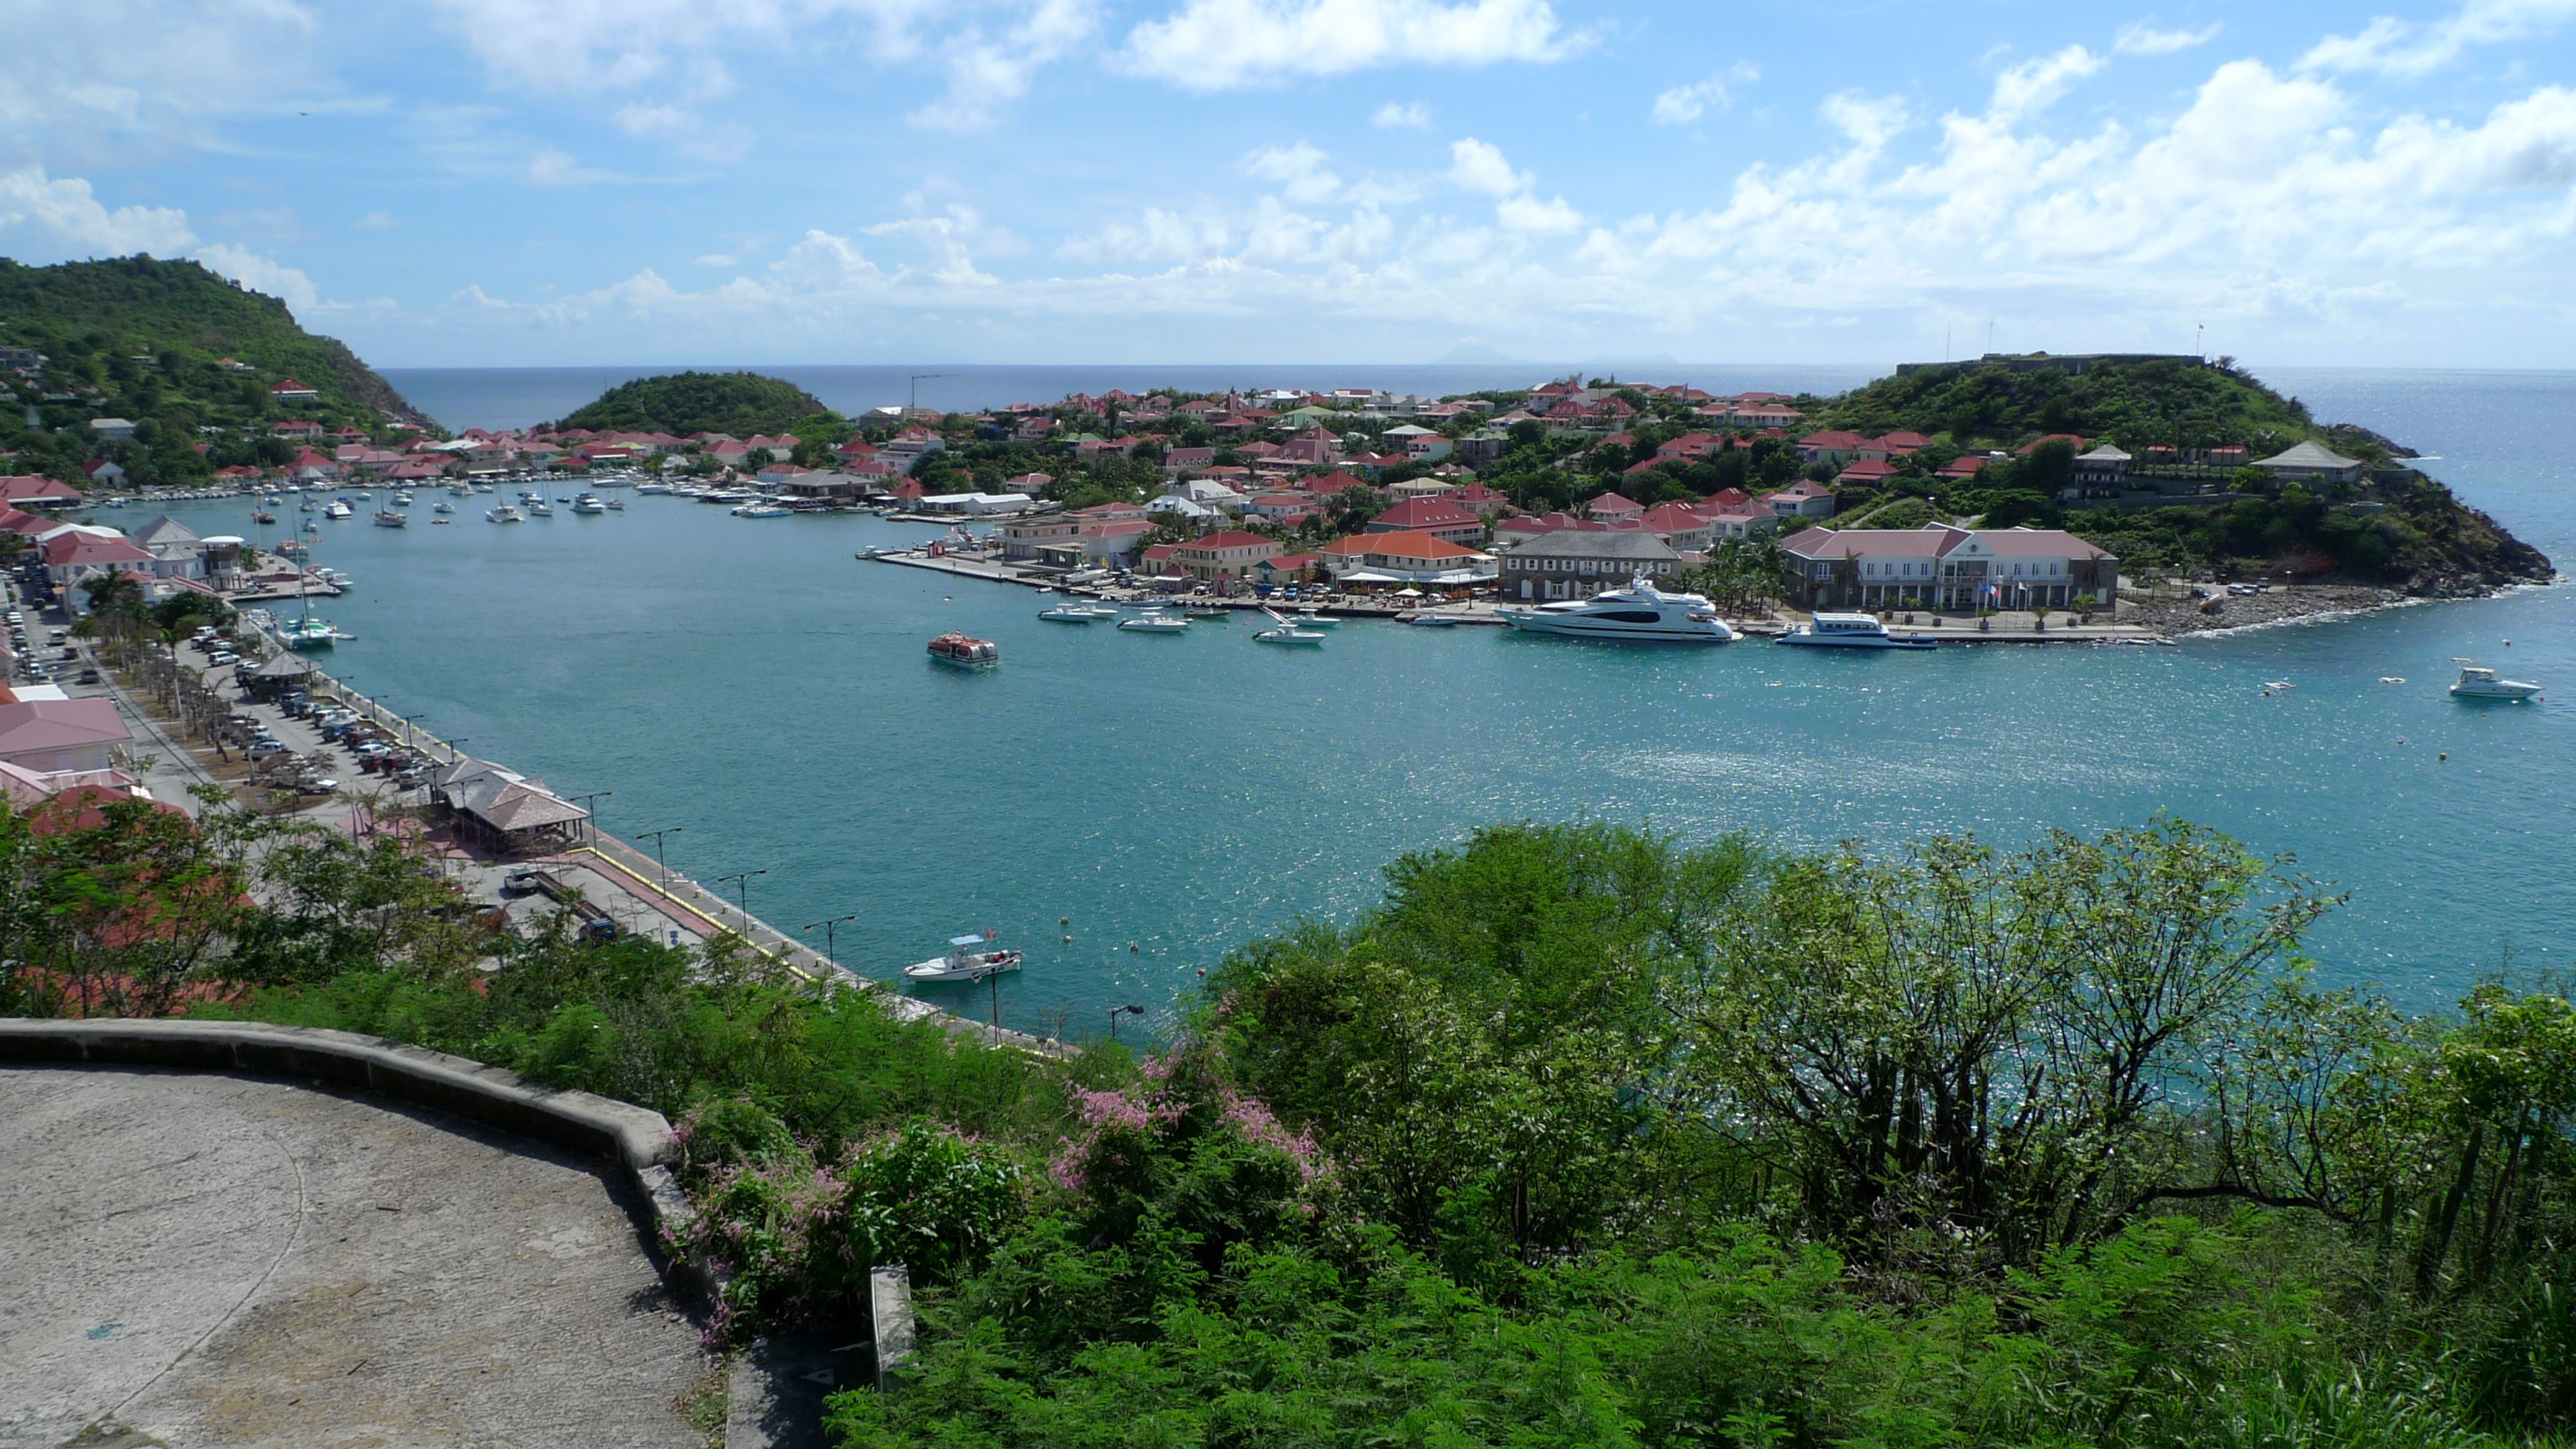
742 888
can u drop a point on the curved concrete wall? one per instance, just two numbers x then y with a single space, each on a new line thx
637 1139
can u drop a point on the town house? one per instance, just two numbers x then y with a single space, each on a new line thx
1573 563
1940 566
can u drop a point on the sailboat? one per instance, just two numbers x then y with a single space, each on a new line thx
306 632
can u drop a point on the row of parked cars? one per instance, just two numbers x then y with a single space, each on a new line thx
377 752
55 660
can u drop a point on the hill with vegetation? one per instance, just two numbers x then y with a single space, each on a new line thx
738 404
143 339
2398 528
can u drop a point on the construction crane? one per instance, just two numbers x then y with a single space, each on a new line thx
914 405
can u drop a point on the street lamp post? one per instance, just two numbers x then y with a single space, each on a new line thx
587 813
742 890
657 850
456 747
408 721
1116 1012
830 954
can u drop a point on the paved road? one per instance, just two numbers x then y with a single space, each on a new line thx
222 1261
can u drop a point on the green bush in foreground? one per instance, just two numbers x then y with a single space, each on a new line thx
1579 1137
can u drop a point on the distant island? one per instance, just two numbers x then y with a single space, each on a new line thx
740 403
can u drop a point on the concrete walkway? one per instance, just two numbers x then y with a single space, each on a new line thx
214 1260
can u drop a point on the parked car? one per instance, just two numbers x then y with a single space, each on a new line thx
265 749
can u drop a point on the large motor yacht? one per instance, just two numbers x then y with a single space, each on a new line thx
1638 612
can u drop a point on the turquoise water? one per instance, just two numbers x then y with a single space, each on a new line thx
753 683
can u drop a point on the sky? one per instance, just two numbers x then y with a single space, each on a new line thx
528 182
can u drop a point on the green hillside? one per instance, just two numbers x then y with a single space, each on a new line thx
141 339
735 403
2398 527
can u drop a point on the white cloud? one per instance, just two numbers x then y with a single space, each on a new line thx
376 221
1479 166
986 74
105 79
2035 85
1407 116
718 259
1682 105
620 43
261 274
1528 213
1215 45
2392 47
1299 170
47 217
2140 37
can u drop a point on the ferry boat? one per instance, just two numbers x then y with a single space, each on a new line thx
2476 681
505 514
1640 613
388 518
964 962
1155 622
965 650
1853 631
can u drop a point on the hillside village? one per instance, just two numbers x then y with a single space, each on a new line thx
1539 493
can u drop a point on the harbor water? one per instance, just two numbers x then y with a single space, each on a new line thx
754 684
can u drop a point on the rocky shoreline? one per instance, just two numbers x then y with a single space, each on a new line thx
2285 603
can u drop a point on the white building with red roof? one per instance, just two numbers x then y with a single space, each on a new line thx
1435 516
1940 566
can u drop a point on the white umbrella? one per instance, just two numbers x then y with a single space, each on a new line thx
1408 593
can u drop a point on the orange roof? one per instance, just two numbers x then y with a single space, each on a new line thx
1414 545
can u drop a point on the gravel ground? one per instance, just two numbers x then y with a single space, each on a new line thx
2238 611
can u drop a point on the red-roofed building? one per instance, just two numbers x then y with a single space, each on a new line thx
1831 447
2072 440
1480 500
1888 447
29 490
1225 555
1156 560
52 735
1965 466
1678 525
1865 473
1417 558
289 390
1612 508
1435 516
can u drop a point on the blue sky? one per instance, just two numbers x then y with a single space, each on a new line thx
487 182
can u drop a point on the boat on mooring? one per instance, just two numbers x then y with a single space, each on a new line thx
1288 632
1155 621
964 961
1639 613
388 518
504 514
2476 681
1067 614
965 650
1853 631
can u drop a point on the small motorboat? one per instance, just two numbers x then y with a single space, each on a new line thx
1433 621
964 962
964 650
2476 681
1311 618
339 509
760 510
617 505
1155 622
1204 611
262 516
1067 614
442 506
1288 632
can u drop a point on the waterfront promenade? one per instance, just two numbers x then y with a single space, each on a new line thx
2007 627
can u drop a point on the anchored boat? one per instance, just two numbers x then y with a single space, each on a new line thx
964 650
2476 681
1853 631
964 962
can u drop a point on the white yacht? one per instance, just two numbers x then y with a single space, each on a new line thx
1155 622
1638 612
505 514
540 508
2476 681
339 510
1853 631
1067 614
